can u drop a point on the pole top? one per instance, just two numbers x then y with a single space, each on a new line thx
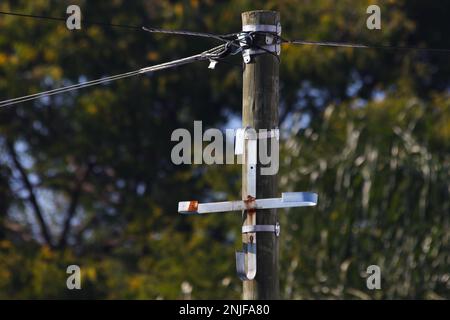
260 17
261 12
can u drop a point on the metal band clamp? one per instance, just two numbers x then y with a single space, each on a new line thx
272 44
262 228
244 134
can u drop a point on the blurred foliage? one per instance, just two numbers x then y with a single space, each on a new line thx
369 130
382 173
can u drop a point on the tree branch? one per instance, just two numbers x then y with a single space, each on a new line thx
32 198
75 198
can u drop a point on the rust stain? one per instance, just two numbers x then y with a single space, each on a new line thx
250 205
193 206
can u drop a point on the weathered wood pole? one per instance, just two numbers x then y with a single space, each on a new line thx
260 111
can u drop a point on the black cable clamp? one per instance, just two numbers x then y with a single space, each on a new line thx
247 40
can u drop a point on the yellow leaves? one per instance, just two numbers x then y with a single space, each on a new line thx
14 60
5 244
5 276
50 55
326 19
61 31
94 32
97 101
3 59
178 9
135 282
25 52
152 56
89 273
194 4
91 109
441 127
47 253
55 73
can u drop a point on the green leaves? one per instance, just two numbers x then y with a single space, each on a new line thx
383 198
374 143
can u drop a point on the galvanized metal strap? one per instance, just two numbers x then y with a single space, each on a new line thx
262 228
243 134
262 28
246 262
272 43
263 134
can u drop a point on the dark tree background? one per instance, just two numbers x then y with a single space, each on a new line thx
86 177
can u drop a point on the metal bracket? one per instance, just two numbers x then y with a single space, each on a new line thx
262 228
246 259
212 63
246 145
246 262
243 134
272 44
287 200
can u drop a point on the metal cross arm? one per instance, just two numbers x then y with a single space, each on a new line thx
247 146
287 200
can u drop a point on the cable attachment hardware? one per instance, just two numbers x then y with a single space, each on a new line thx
262 228
212 63
272 40
247 146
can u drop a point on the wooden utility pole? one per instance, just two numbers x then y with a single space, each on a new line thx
257 263
260 111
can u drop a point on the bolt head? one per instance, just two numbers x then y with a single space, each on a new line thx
277 229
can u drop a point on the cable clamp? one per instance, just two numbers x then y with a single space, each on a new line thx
270 28
262 228
272 42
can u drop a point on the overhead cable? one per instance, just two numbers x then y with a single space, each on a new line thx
212 54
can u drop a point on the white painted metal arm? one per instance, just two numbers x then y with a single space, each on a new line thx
287 200
246 145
